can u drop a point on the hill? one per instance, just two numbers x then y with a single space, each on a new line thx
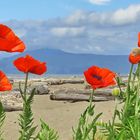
59 62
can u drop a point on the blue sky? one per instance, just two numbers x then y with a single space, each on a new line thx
76 26
46 9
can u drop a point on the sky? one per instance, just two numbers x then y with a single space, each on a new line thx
48 9
75 26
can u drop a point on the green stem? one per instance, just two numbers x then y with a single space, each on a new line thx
24 107
128 91
91 97
135 74
25 86
114 116
128 84
136 121
2 118
137 93
129 78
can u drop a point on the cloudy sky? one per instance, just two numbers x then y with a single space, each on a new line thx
76 26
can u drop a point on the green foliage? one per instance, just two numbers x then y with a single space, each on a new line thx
26 118
109 129
127 127
87 128
46 133
129 116
2 118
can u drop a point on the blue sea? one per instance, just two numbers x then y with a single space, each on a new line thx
22 76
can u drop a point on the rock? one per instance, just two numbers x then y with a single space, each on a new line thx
53 81
40 88
11 102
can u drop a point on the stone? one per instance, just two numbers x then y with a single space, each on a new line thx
40 88
11 102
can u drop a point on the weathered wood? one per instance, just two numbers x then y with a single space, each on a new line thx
65 81
79 97
103 92
72 81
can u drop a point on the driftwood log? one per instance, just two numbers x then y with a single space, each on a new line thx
65 81
78 97
81 95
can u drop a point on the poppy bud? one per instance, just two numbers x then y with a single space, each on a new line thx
134 56
136 51
116 92
100 123
139 39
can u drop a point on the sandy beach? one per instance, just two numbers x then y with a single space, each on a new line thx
60 115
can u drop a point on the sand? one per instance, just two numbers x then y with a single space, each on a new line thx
60 115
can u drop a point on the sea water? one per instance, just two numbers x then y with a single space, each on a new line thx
33 76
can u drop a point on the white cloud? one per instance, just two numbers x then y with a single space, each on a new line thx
67 31
126 16
84 32
99 2
76 17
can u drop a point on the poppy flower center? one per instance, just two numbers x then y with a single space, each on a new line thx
97 77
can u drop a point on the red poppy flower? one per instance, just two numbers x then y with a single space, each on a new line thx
139 39
29 64
134 59
9 42
99 77
4 82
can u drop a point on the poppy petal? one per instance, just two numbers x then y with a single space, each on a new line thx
4 82
9 42
134 59
21 64
104 72
29 64
99 77
39 69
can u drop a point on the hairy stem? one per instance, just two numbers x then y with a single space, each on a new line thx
25 86
128 92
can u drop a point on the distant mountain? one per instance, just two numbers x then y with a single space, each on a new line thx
59 62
